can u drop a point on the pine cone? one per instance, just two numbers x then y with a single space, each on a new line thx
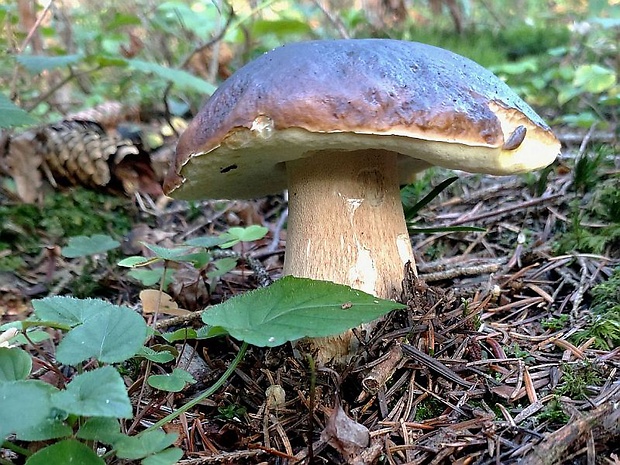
81 153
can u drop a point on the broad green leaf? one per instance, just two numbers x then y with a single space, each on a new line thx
595 78
519 67
155 356
233 236
122 19
13 116
83 246
143 445
280 27
13 324
169 456
103 60
180 78
50 428
97 393
168 254
222 266
27 324
165 348
135 261
585 119
197 259
207 332
69 310
293 308
103 429
181 334
15 364
199 17
610 100
24 404
152 277
171 382
67 451
568 93
113 335
208 242
558 51
238 234
38 63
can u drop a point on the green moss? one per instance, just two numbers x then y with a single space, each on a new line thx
24 229
597 201
606 296
85 212
604 319
428 408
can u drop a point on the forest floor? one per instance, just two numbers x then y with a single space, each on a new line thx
496 360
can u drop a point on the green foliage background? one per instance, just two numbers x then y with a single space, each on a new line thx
553 52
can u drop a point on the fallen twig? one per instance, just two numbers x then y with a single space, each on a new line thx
603 423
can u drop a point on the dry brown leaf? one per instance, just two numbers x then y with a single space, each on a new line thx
190 288
345 435
23 161
154 301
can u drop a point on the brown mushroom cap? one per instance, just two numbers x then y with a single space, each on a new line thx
429 105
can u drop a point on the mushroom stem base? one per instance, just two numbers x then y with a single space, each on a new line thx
346 225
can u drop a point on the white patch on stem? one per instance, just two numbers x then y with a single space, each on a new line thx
403 245
363 274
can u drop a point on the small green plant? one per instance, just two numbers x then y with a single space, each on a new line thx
231 412
171 382
87 283
604 328
197 252
577 378
555 324
593 224
516 351
554 413
604 319
606 295
586 173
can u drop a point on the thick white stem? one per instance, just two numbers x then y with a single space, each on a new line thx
346 225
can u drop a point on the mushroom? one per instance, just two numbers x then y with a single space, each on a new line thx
342 124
